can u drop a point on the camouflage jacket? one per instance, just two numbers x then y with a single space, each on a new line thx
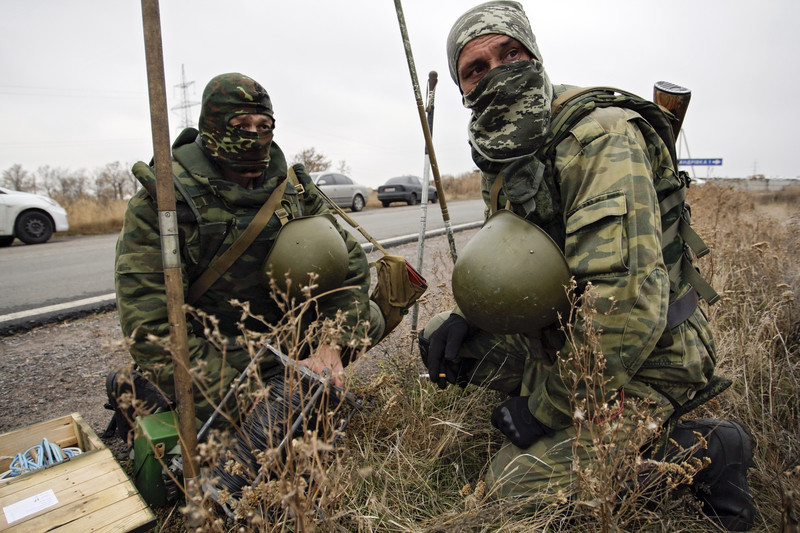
227 209
599 202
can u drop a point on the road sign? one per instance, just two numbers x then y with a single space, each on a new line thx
700 162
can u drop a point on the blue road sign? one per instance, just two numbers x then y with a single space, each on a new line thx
700 162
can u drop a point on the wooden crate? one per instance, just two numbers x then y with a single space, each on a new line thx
89 492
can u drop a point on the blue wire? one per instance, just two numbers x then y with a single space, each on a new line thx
37 457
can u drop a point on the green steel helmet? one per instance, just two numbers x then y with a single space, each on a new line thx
308 245
511 277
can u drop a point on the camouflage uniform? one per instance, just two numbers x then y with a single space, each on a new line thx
599 203
226 210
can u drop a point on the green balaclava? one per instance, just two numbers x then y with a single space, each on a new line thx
511 104
225 97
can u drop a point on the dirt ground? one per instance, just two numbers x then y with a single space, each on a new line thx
58 369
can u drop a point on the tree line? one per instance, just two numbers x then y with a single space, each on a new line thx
113 181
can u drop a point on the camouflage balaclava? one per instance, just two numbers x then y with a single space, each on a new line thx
511 104
226 96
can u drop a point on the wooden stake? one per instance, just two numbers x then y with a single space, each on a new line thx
170 252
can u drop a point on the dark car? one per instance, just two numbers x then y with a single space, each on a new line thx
341 189
406 189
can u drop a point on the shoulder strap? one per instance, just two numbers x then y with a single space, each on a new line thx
562 101
494 194
221 263
573 105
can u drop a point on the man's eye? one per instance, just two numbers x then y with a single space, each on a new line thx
474 72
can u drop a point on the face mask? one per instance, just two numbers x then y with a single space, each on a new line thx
225 97
510 111
239 150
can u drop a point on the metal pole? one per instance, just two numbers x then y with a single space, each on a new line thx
433 77
425 129
170 250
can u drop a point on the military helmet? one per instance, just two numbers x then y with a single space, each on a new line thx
303 246
511 277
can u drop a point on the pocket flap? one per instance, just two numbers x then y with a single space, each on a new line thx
606 205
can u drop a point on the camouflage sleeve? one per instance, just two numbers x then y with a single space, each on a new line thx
353 300
141 303
612 241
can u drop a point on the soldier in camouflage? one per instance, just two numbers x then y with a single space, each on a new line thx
224 173
599 203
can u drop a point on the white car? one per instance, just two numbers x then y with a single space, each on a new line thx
31 218
341 189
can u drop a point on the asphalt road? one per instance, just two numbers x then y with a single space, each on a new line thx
70 276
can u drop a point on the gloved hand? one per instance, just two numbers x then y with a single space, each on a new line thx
440 352
515 420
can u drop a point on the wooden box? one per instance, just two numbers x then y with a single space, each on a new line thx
88 492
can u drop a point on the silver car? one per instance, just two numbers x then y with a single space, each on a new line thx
341 189
31 218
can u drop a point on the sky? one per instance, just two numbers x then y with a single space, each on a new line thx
73 78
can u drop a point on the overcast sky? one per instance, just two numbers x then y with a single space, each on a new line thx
73 86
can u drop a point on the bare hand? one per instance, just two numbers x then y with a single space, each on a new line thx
328 357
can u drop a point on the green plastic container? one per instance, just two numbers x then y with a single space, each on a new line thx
155 446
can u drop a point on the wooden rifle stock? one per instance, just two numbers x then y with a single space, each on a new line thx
674 99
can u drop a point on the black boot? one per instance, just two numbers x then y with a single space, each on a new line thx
722 485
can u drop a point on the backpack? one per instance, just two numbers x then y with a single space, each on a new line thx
680 242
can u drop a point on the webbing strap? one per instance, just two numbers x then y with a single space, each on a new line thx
677 313
673 200
187 198
685 268
691 238
221 263
682 308
562 101
669 234
293 178
494 193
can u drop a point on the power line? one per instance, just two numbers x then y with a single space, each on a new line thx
185 105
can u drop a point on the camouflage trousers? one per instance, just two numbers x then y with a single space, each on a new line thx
516 364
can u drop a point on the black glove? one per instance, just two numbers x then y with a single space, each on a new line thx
440 352
516 421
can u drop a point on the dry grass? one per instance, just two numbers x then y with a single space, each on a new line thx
88 216
755 241
414 457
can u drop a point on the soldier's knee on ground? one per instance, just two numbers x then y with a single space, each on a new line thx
533 474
